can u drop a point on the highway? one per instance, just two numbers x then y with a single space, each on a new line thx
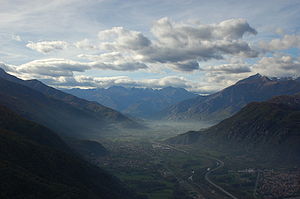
256 185
219 163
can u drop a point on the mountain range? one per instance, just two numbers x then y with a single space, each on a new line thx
137 102
270 127
62 112
45 133
228 101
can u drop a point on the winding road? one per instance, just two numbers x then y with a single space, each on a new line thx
220 164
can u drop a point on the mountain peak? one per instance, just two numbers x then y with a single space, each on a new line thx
228 101
257 75
254 78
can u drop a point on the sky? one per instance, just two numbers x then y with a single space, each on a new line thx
200 45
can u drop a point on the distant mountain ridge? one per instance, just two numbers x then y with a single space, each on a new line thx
266 127
139 102
57 110
228 101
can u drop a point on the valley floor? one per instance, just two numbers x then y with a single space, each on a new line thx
160 171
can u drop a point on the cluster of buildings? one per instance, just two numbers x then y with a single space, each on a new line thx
277 184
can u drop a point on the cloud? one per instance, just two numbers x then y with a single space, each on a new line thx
230 68
182 46
222 80
54 67
126 81
61 73
286 42
227 74
174 81
220 76
179 34
189 65
85 44
105 82
179 46
123 39
114 61
67 79
105 57
7 67
278 66
47 46
82 81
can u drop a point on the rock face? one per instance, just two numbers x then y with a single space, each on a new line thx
62 112
225 103
138 102
272 126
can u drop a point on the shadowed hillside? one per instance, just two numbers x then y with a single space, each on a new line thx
59 111
261 127
35 163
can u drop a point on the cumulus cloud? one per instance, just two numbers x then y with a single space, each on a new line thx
179 34
122 39
178 46
181 46
47 46
278 66
286 42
